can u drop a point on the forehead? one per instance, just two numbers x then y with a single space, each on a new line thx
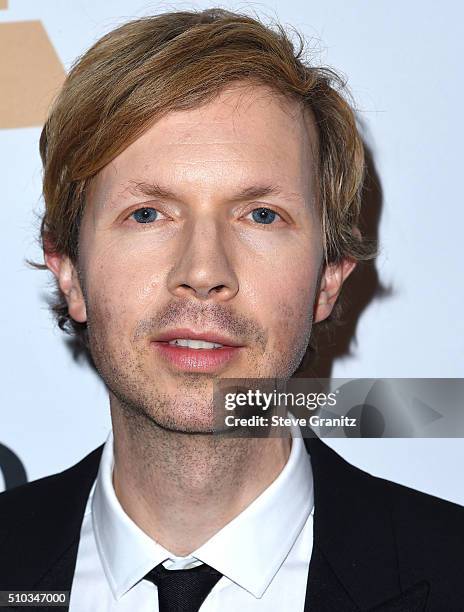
245 131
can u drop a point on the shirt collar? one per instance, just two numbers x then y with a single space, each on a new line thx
126 552
249 550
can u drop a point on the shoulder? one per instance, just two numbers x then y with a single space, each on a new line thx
29 502
417 514
416 509
429 537
39 527
403 502
378 533
427 531
412 511
404 495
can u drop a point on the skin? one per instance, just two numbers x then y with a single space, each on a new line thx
204 262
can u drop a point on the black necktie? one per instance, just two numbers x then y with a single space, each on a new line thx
183 590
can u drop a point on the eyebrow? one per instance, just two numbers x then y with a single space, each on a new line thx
155 190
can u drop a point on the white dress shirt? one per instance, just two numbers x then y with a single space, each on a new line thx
263 553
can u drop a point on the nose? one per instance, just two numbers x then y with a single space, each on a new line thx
203 268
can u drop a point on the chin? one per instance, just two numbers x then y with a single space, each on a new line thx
193 426
190 418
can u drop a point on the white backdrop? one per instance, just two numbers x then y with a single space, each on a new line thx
404 65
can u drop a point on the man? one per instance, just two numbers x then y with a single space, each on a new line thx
202 188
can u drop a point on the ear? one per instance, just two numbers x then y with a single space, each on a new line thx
330 286
68 281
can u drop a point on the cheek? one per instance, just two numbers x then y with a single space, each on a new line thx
292 312
284 297
126 284
290 321
107 310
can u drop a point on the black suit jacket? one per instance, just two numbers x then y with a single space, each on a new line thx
378 546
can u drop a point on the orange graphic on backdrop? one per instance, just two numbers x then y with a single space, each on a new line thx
31 73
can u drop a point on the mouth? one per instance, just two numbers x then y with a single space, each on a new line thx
192 351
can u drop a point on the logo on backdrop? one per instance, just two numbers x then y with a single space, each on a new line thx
12 468
30 74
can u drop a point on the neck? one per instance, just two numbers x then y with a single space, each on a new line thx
182 488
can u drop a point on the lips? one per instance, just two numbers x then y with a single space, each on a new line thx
186 358
189 334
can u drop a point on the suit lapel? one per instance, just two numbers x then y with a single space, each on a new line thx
413 599
354 564
325 592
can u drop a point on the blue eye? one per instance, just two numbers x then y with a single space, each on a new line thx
145 215
264 215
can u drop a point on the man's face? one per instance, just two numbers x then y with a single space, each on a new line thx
206 228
